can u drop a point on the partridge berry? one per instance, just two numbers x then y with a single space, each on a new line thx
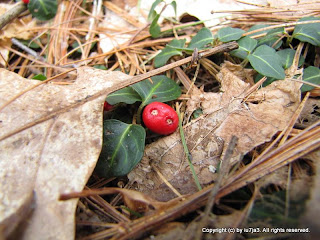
107 107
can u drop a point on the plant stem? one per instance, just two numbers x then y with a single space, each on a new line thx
186 150
139 113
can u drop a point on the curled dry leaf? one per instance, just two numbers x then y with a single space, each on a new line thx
226 115
54 156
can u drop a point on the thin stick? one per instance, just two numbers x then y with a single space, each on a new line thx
175 191
12 13
28 50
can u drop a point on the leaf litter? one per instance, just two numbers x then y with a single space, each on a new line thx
226 114
63 164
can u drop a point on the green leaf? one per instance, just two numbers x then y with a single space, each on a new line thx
43 9
169 51
287 56
266 82
312 75
154 29
152 11
123 147
309 32
266 62
272 37
229 34
201 39
40 77
163 89
30 43
100 66
174 5
246 46
256 27
126 95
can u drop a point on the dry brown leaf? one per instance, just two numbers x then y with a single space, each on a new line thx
310 112
18 27
227 115
52 157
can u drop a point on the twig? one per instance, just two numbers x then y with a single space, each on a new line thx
28 50
12 13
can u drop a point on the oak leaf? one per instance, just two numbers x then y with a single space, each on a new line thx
41 159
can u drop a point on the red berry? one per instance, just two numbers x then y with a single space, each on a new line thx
107 107
25 1
160 118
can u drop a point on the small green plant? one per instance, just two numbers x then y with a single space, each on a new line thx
123 143
176 47
153 16
269 55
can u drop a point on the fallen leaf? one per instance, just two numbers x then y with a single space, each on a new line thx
15 29
50 157
226 115
310 113
18 27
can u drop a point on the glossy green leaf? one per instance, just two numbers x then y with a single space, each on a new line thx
287 56
169 51
256 27
126 95
246 46
266 62
39 77
309 32
229 34
162 89
152 12
43 9
123 147
312 75
154 29
272 38
201 39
